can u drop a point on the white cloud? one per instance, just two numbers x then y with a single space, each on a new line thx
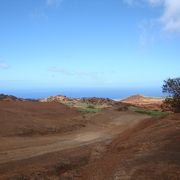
148 33
138 2
170 17
41 11
61 70
67 72
38 13
129 2
53 2
3 65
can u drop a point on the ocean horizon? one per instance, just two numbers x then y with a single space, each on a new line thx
116 93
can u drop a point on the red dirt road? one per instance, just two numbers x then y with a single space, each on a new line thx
19 148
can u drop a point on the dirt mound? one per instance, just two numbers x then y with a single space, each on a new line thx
28 118
150 150
142 101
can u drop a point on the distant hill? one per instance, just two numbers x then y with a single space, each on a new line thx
105 102
140 100
4 97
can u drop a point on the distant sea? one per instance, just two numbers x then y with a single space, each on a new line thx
114 93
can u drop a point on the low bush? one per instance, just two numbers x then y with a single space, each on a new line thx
148 112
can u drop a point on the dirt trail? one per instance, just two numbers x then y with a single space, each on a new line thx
20 148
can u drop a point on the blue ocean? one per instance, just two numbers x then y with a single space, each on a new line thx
114 93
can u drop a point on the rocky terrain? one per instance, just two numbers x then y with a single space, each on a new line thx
58 98
92 100
52 139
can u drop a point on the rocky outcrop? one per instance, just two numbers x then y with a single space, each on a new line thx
58 98
97 101
73 102
92 100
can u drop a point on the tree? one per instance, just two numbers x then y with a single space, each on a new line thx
172 88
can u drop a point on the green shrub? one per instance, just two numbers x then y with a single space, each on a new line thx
84 107
91 107
148 112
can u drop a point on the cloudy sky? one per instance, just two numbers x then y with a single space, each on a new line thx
97 43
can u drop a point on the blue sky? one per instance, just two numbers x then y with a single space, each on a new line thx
48 44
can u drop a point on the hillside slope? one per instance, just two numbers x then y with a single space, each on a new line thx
151 150
142 101
27 118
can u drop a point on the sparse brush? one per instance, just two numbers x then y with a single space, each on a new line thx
148 112
91 107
